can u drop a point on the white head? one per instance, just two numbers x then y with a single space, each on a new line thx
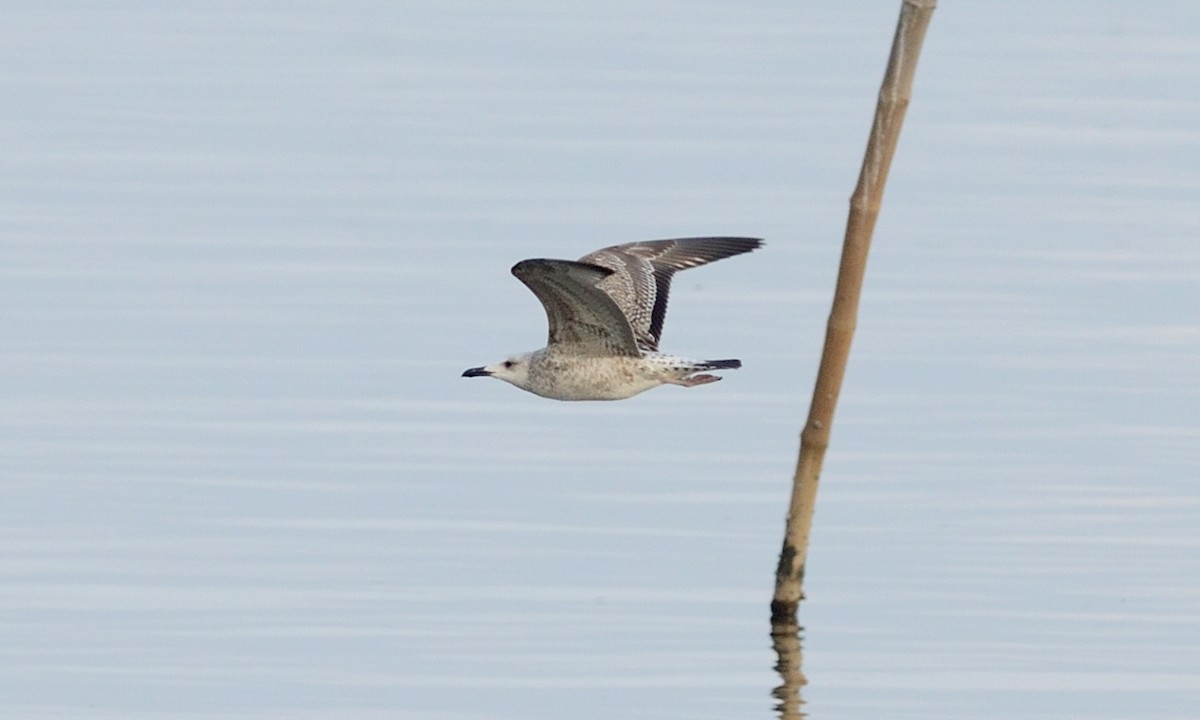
514 370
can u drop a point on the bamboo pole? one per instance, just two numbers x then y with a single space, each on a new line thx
894 96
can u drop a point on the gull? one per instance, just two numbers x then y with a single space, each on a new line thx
606 315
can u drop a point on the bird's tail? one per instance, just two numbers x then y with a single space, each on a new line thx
732 364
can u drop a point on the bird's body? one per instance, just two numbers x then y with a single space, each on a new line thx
563 376
606 313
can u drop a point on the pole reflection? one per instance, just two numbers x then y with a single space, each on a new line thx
785 637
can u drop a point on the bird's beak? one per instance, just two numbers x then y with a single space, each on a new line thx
476 372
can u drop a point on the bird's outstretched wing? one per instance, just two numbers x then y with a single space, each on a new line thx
642 271
582 318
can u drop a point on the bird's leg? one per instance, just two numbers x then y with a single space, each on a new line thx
695 380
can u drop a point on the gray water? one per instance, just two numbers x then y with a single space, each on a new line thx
247 248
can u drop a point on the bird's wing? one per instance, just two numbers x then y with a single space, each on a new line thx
641 278
581 316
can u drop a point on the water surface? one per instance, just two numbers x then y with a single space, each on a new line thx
246 250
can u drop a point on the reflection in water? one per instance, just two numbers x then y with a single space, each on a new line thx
785 637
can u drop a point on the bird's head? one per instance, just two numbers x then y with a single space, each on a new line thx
514 370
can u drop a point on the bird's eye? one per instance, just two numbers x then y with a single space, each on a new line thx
508 364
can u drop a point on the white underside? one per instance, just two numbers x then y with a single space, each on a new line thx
603 378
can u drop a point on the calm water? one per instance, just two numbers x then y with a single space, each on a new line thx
247 249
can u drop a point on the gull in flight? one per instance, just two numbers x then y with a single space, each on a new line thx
606 316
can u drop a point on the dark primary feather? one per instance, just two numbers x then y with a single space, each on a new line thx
579 313
641 280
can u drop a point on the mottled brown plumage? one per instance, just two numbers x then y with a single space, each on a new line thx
605 315
642 271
